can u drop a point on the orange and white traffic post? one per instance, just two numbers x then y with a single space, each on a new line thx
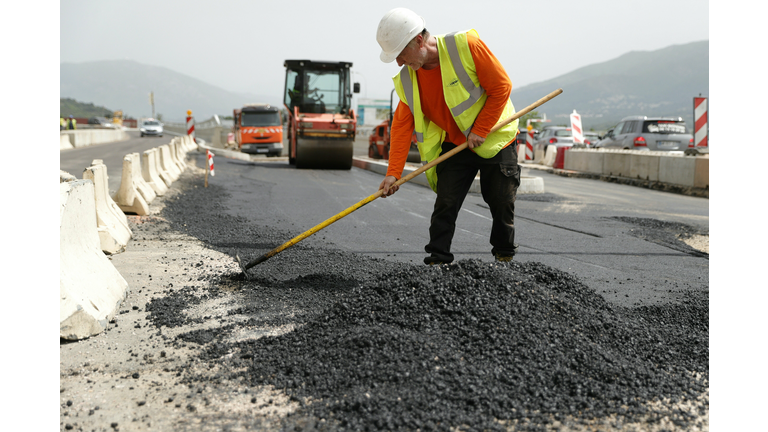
209 166
700 121
191 125
576 131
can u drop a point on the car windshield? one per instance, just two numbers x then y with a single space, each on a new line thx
664 127
151 123
563 133
260 119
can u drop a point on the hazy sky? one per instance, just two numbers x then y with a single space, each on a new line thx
240 45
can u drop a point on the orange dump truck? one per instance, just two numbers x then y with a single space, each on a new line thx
258 129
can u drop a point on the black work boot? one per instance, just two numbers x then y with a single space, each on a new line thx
433 259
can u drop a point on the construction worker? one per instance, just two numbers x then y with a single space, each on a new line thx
452 90
71 123
62 123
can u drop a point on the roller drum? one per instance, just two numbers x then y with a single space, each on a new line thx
324 153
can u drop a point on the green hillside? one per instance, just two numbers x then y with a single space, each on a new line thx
653 83
125 85
70 107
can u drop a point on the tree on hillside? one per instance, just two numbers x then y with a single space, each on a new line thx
70 107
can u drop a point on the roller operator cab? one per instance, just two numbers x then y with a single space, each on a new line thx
321 122
258 129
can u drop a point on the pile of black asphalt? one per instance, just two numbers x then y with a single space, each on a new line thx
474 345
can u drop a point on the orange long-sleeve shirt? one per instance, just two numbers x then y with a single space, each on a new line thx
493 79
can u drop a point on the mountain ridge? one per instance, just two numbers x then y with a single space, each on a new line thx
662 82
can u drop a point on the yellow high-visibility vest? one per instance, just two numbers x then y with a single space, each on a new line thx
464 97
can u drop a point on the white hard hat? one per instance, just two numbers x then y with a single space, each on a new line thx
396 29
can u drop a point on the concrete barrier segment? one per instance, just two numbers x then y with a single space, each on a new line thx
127 197
142 186
701 172
114 233
679 170
180 155
112 204
149 172
90 288
65 144
550 156
66 177
167 162
176 154
161 172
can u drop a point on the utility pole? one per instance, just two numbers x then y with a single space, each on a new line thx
152 102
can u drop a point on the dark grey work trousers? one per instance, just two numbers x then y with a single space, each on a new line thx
499 180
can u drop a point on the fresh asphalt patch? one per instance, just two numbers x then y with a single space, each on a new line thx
321 339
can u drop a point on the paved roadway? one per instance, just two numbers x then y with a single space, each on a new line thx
570 227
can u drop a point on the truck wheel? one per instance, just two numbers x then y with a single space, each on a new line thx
373 152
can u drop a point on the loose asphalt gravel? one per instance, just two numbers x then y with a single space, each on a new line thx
321 339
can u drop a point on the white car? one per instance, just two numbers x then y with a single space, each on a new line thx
151 127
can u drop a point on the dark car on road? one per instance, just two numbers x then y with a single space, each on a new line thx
648 133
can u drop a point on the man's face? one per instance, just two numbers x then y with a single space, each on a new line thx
413 55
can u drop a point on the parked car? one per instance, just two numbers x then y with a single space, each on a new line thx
151 127
648 133
101 122
558 136
591 138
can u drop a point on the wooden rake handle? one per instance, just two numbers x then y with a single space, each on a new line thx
402 180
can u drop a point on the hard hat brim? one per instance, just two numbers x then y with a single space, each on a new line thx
388 57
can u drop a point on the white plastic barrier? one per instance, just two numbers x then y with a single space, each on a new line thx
114 232
142 186
128 198
167 163
161 172
149 172
90 288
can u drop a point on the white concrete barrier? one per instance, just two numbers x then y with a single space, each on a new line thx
88 137
584 160
644 165
66 177
127 197
90 288
678 170
701 175
149 172
176 154
65 144
550 156
142 186
161 172
114 232
113 207
616 163
166 162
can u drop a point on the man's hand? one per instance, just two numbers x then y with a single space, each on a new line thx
388 186
474 140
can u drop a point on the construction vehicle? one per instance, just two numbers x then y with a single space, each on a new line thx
378 142
321 122
258 129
